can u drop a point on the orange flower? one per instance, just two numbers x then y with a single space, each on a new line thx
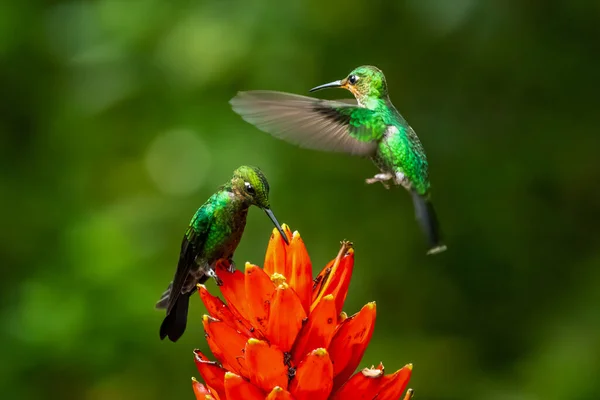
283 335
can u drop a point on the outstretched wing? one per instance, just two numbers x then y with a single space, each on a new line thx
316 124
191 246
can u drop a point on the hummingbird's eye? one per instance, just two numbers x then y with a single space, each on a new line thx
250 188
352 79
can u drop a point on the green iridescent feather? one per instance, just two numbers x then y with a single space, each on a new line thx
213 234
369 127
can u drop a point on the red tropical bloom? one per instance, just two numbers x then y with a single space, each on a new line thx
283 335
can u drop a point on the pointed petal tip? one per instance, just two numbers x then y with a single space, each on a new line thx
286 318
335 277
320 352
227 344
275 257
279 393
200 391
286 229
266 365
314 376
299 270
318 329
198 355
231 375
409 366
208 319
237 387
350 342
288 233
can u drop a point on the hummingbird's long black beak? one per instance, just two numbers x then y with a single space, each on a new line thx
334 84
276 223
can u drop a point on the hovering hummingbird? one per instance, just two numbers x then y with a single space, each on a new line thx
369 127
214 233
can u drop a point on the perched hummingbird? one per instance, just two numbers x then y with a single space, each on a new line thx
214 233
369 127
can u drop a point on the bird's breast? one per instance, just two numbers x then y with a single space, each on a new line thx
229 233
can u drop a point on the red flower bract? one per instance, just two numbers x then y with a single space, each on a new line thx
283 335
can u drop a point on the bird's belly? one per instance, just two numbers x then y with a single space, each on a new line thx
391 155
395 155
227 237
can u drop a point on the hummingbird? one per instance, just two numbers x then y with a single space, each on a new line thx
213 234
367 126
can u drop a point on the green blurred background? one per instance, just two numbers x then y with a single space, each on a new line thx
116 126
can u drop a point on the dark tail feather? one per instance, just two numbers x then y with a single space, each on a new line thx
175 322
429 223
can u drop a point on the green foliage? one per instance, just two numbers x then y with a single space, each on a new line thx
116 126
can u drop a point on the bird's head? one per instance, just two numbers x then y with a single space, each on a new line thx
251 184
365 82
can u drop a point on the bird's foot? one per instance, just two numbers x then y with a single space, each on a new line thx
211 273
383 178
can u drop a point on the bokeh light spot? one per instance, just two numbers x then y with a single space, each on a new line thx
178 162
443 16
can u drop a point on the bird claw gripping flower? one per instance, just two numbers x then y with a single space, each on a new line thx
282 335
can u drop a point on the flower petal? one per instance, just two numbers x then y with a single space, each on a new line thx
212 373
372 383
259 291
219 310
201 391
300 268
320 280
318 330
286 318
266 365
313 378
234 290
286 230
276 254
395 385
339 279
350 342
279 394
230 344
238 388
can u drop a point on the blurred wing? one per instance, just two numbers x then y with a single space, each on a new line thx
191 246
312 123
